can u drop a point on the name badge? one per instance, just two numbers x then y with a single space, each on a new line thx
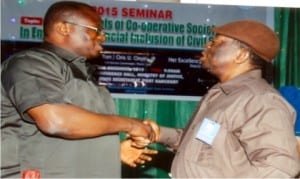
208 131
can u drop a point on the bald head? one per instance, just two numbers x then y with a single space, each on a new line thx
66 10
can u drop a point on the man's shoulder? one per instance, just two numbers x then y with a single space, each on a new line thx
32 57
259 87
37 53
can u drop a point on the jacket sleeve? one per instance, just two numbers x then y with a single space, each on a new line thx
170 137
268 138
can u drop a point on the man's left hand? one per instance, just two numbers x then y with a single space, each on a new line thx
133 156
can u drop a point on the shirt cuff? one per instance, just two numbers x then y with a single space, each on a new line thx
170 137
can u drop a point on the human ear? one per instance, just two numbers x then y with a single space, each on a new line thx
243 56
62 28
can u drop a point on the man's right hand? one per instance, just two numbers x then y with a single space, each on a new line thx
142 134
155 127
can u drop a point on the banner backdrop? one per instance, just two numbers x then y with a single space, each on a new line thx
151 48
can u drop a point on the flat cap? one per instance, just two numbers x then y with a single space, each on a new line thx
259 37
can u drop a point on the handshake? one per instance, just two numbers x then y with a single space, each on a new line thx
133 149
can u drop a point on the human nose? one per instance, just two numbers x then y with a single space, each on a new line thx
204 53
208 45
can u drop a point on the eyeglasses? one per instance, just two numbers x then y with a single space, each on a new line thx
98 30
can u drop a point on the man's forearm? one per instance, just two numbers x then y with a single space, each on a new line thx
59 120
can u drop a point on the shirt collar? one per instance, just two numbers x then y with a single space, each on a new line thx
64 54
234 83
